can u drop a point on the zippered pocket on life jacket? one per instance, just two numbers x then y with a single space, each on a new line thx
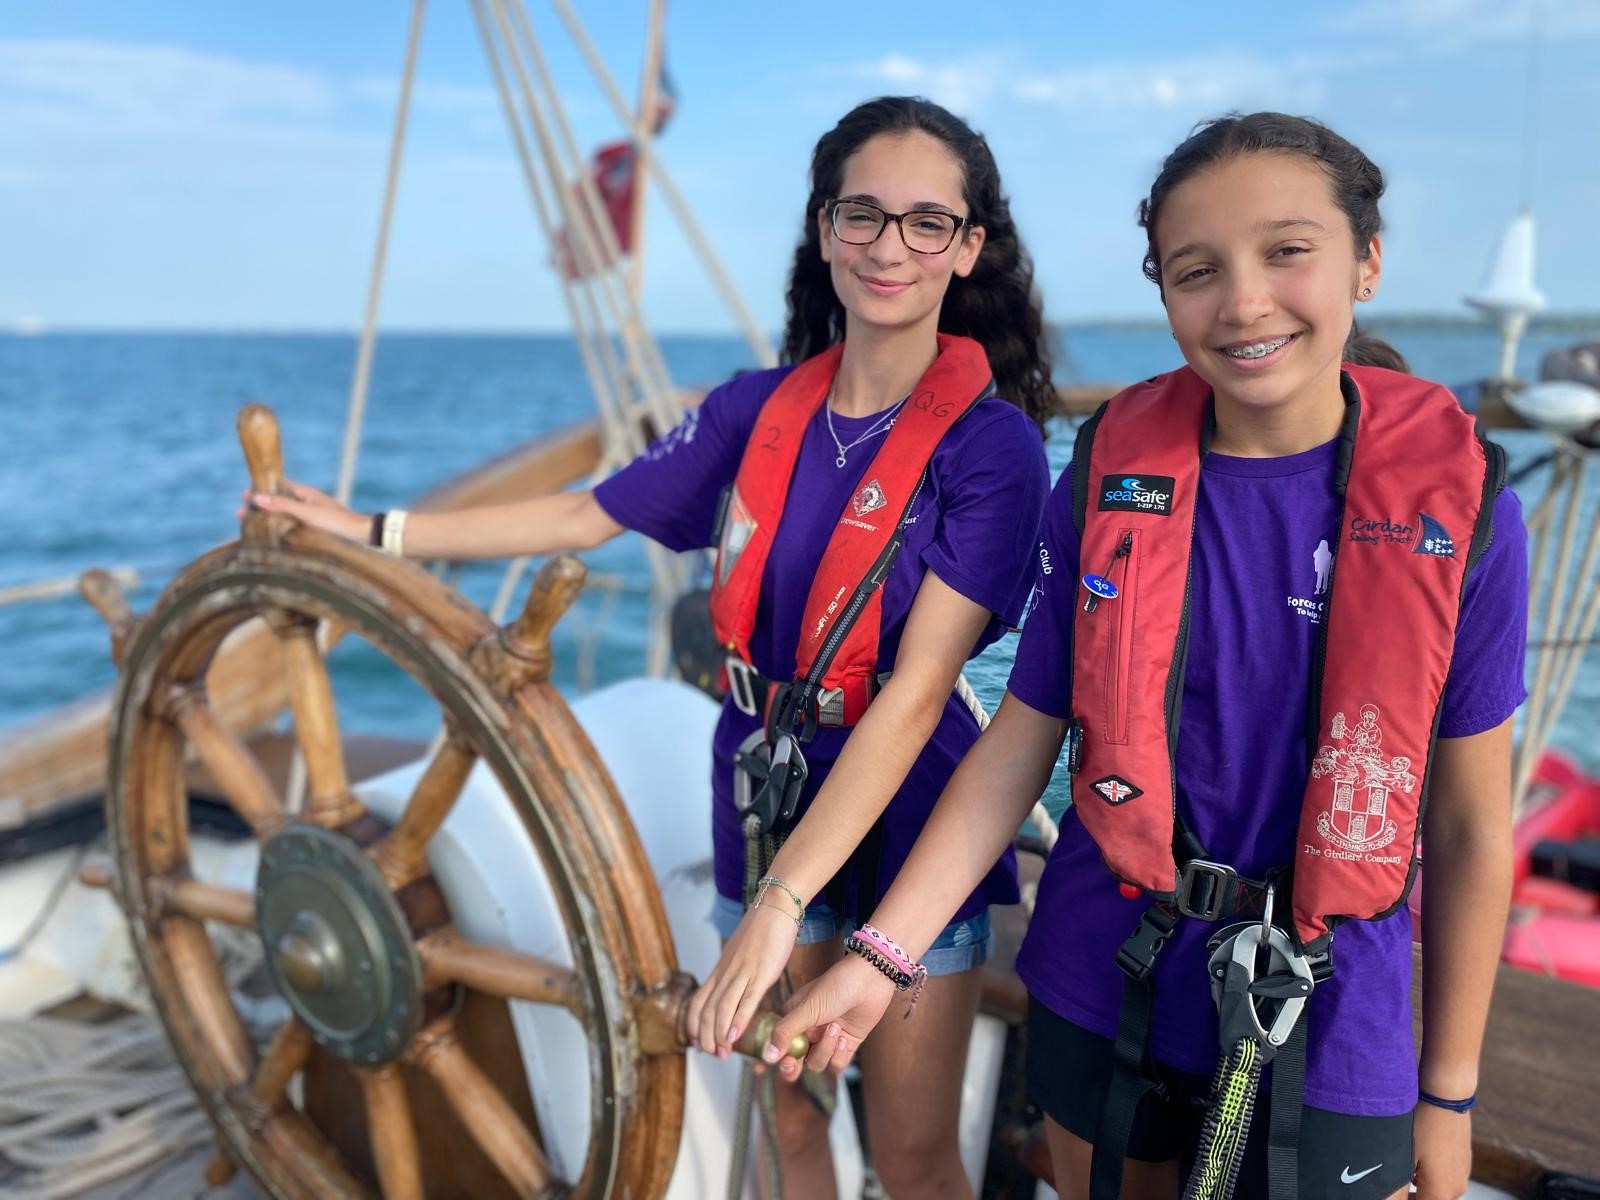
1119 647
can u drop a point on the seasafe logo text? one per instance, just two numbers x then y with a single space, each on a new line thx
1133 492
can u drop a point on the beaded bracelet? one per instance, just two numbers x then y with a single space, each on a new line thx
771 881
891 961
1455 1106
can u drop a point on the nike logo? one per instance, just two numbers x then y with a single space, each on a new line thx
1346 1177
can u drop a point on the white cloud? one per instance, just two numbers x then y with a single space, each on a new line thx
1457 22
1195 85
139 84
90 91
961 85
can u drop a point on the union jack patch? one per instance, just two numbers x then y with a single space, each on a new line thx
1114 789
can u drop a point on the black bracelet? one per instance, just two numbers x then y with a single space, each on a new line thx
375 536
892 973
1456 1106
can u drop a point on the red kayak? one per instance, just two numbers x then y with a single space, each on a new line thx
1555 898
1555 890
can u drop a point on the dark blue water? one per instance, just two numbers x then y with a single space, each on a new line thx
120 450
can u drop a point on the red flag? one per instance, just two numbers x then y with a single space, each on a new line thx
613 170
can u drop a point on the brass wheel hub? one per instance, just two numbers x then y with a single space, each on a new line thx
338 947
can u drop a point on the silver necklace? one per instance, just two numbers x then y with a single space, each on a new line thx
883 425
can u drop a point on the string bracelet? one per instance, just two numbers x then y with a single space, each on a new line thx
375 536
392 539
1455 1106
799 924
772 881
884 953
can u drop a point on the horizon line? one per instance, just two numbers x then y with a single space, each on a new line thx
30 328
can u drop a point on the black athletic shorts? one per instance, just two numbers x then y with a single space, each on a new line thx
1343 1157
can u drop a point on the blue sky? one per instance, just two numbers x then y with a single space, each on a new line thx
173 165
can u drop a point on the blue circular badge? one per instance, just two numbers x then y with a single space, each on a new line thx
1100 586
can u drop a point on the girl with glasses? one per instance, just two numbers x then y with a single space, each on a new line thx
879 503
1282 638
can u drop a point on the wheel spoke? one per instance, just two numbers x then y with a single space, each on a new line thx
329 801
199 975
288 1052
402 855
203 901
493 1123
233 767
394 1136
446 958
289 1137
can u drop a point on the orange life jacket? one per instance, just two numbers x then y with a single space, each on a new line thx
839 632
1418 482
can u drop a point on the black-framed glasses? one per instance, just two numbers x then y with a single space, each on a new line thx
925 231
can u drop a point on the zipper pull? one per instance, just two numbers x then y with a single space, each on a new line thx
1100 586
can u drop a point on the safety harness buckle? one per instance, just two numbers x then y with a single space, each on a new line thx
1137 955
742 685
1205 889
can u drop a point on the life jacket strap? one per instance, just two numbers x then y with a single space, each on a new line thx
1213 891
754 694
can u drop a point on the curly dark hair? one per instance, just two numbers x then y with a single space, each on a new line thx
1356 181
996 304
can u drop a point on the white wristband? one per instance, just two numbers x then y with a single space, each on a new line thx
394 532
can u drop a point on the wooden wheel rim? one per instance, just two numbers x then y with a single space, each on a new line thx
616 928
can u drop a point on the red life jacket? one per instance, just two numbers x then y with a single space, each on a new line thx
1418 484
839 631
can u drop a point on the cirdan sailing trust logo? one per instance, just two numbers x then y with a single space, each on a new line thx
1362 780
1426 535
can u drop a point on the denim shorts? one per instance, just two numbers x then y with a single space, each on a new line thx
959 947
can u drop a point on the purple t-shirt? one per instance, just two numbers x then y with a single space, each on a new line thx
975 525
1265 533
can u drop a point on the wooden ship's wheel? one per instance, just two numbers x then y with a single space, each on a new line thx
396 1073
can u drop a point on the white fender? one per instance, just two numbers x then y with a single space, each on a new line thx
1559 405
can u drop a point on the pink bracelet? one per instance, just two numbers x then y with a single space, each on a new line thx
886 954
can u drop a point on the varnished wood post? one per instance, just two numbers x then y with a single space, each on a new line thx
520 653
554 589
263 447
111 602
263 454
664 1023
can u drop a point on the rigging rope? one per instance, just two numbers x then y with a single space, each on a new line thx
85 1104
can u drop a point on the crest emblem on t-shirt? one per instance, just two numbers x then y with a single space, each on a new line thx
1114 790
1362 781
869 499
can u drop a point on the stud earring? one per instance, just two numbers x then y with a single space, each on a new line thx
1366 293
